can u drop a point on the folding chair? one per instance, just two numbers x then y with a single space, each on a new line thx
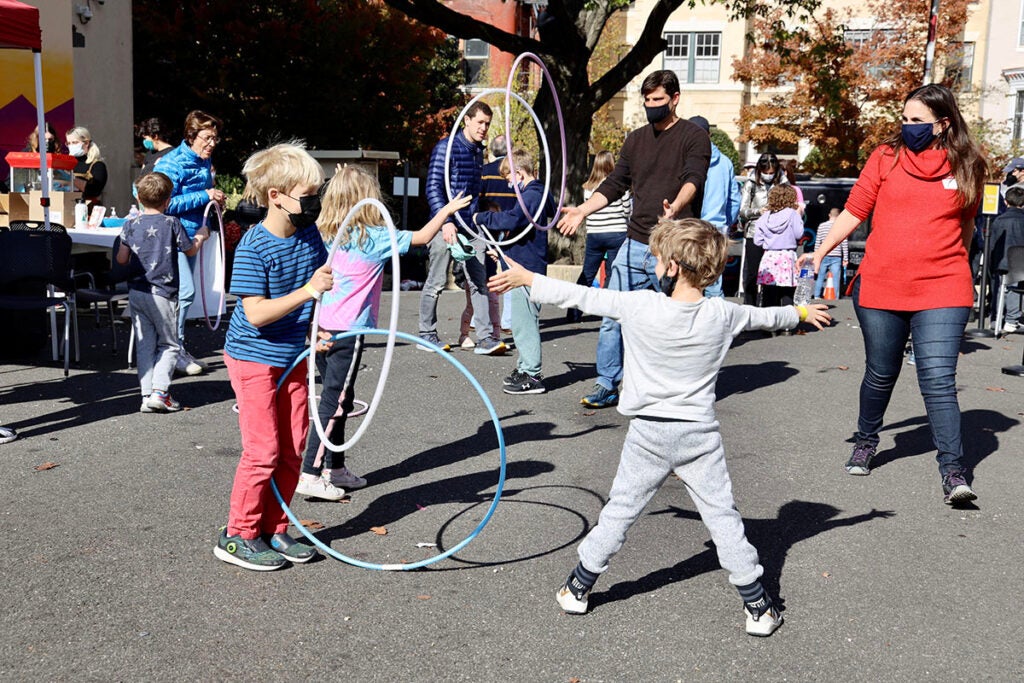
35 273
93 295
1012 281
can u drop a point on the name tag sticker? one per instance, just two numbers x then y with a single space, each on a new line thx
949 183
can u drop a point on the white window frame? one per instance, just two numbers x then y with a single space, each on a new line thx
695 56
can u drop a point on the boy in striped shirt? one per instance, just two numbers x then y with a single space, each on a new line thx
280 269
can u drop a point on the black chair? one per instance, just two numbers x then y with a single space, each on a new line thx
35 274
93 296
37 225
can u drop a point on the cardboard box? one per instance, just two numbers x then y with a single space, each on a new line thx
26 206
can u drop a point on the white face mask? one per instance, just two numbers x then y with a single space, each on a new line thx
76 149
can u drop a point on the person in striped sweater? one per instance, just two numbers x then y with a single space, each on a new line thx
835 261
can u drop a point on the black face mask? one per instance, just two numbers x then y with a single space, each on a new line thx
667 284
310 211
657 114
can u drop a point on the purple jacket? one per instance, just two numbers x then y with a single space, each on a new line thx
779 230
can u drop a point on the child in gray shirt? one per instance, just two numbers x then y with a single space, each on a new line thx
674 344
150 244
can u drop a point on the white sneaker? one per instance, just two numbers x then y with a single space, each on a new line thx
569 603
1010 328
467 342
187 365
342 477
317 487
765 624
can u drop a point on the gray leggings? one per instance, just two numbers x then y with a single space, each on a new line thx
693 450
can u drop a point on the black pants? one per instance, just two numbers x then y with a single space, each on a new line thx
338 367
752 254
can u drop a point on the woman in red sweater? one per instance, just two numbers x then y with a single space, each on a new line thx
923 185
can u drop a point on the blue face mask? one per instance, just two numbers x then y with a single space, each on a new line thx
917 136
148 144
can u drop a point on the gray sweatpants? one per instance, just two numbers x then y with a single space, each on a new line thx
693 450
156 339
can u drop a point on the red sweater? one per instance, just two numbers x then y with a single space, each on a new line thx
914 258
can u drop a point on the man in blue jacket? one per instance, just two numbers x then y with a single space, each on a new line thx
721 200
464 173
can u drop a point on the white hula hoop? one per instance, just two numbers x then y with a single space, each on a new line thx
547 154
547 166
222 253
392 330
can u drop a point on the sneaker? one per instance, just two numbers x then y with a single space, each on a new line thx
568 601
490 347
290 549
762 617
911 358
161 403
860 460
144 408
187 365
600 398
515 378
1010 328
433 339
467 342
529 384
314 486
7 435
955 489
343 478
254 554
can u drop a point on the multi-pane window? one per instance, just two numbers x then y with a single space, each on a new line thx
859 38
695 57
960 66
1020 33
476 54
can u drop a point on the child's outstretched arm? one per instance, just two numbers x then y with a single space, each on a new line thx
262 311
815 314
427 232
514 276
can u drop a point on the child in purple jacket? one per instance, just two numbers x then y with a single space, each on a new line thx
777 232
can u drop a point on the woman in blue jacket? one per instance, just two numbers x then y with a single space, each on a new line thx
189 168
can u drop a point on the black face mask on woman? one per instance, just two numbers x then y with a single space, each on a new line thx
309 211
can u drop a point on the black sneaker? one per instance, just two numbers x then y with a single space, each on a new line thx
860 460
515 378
290 549
254 554
528 384
955 489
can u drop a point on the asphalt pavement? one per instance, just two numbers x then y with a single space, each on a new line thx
110 519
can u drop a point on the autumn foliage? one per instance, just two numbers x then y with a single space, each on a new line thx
842 95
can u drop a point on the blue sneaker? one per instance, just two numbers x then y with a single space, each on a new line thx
490 347
252 554
290 549
600 398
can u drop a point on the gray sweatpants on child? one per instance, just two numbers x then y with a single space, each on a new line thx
156 339
693 450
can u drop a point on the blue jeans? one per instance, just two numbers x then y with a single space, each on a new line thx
631 270
598 245
715 289
186 292
833 264
936 338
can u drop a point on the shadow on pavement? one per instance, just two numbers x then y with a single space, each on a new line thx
739 379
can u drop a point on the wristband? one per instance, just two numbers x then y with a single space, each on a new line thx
316 295
802 310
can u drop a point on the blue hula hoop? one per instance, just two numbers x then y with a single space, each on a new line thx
501 453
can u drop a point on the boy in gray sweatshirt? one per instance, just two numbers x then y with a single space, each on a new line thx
675 342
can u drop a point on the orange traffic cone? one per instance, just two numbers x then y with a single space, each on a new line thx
830 289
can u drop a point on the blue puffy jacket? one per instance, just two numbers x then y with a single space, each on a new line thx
192 177
465 169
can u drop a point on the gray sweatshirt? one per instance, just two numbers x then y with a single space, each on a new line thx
672 350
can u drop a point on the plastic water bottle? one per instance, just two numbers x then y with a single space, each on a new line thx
81 214
133 212
805 284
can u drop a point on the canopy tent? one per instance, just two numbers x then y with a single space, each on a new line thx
19 30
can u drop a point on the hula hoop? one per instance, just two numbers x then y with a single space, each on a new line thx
501 455
561 131
355 413
393 328
547 166
223 260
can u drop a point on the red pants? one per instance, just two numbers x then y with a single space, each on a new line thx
274 427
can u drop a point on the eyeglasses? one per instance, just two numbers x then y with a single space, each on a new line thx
209 139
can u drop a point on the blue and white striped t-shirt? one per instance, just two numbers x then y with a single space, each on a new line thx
272 267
